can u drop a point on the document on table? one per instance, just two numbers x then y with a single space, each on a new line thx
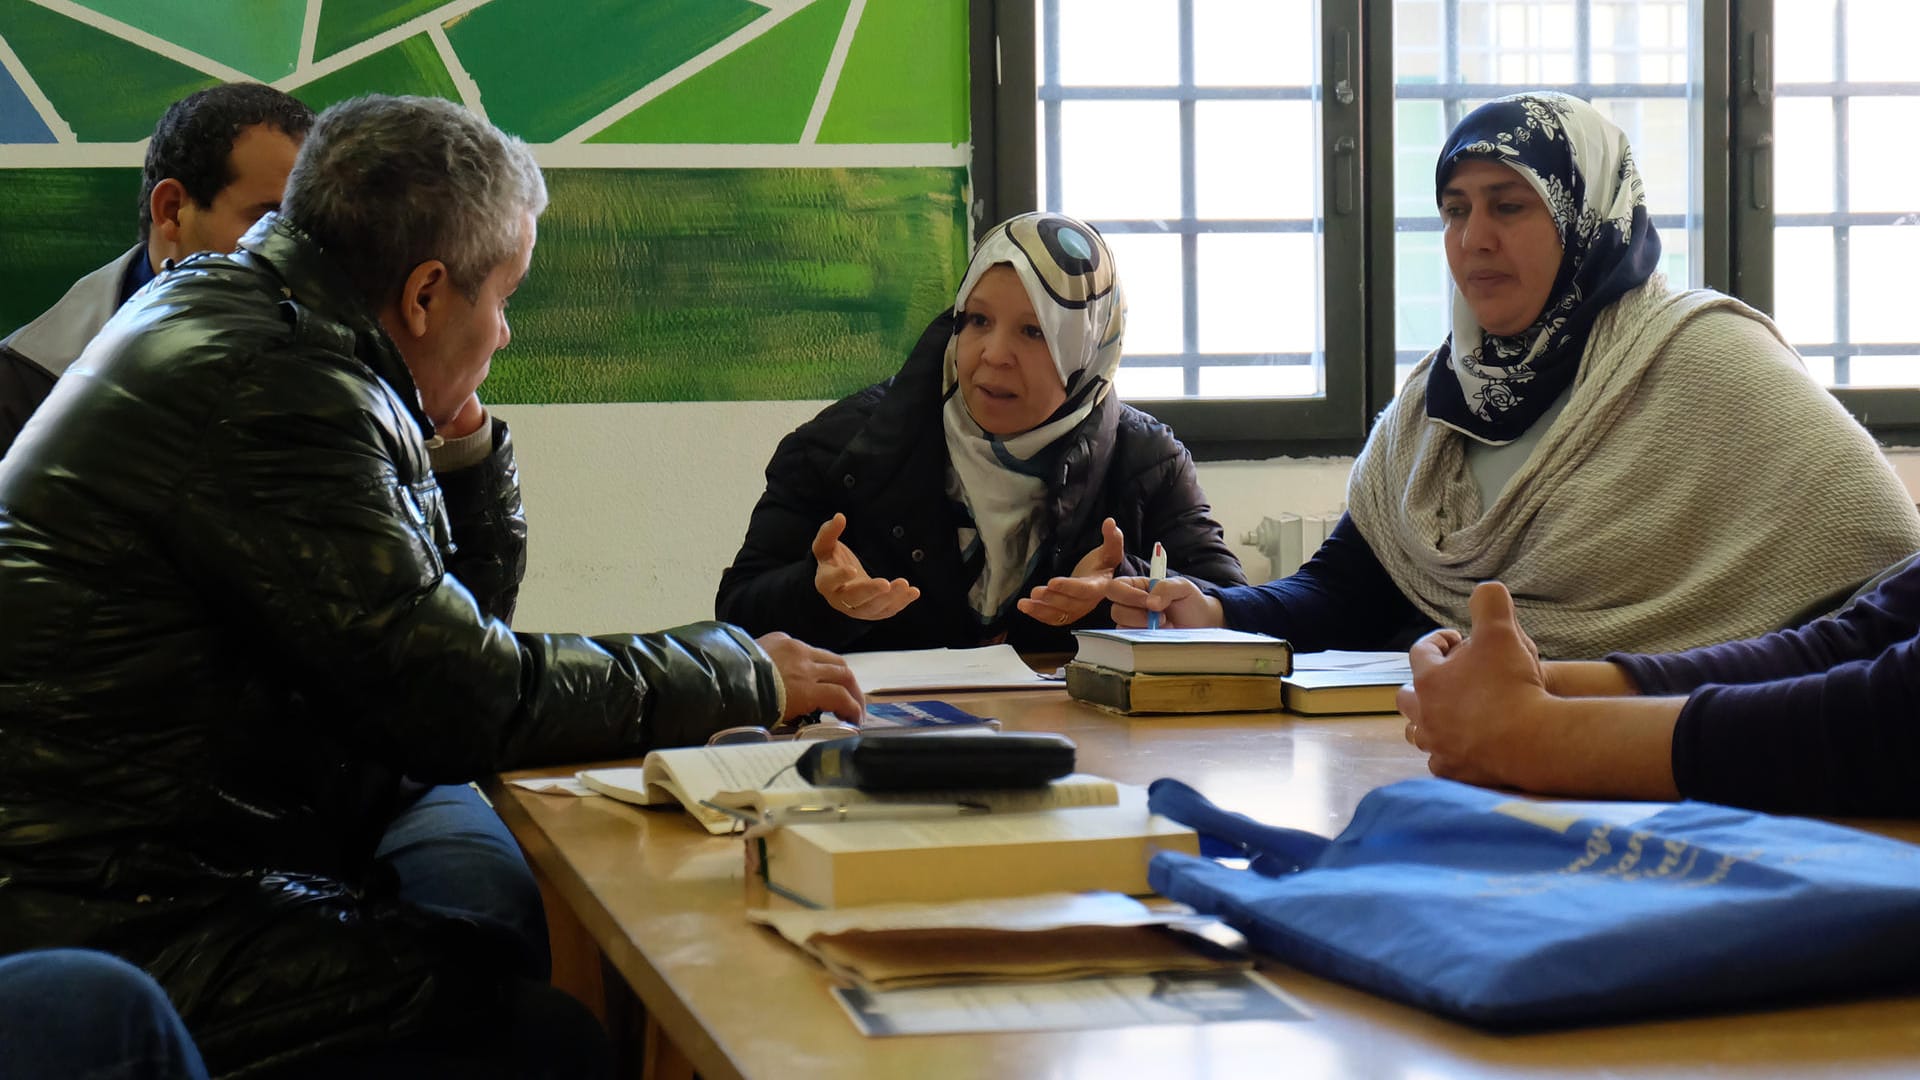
1115 1001
1345 660
990 667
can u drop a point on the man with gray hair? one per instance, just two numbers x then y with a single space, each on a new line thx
232 629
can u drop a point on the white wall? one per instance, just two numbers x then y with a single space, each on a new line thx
635 509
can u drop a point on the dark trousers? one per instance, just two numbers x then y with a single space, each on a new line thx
74 1014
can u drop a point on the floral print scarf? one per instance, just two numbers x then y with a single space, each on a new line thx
1492 387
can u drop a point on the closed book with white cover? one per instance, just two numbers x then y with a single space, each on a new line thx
1185 651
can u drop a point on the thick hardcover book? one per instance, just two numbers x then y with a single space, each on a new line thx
1135 692
1317 692
1209 651
967 858
758 777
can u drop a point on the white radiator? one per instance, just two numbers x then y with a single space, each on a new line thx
1290 539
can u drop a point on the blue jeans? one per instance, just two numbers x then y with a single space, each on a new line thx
454 856
72 1014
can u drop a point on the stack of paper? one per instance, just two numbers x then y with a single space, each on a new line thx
1021 939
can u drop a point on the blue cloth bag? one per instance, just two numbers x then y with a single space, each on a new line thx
1507 912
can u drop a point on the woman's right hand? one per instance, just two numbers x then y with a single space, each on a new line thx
844 582
1179 602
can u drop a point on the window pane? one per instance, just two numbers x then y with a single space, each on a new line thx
1634 55
1151 273
1845 240
1880 36
1119 159
1118 42
1114 129
1880 288
1803 170
1246 158
1803 41
1880 153
1259 292
1234 42
1803 284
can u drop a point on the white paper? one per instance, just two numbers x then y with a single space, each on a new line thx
1045 911
1109 1001
554 785
1343 660
990 667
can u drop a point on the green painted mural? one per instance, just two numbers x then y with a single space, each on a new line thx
898 82
349 22
612 48
412 66
260 38
105 88
695 284
759 93
767 262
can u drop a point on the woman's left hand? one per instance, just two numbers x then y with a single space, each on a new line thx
1063 601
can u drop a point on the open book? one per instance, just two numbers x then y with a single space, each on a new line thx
759 777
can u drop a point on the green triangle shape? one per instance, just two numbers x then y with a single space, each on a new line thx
104 88
597 53
259 37
760 93
345 23
412 66
905 77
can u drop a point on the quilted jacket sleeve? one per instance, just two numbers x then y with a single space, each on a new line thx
305 509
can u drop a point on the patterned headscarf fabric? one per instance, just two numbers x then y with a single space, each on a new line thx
1492 387
1069 276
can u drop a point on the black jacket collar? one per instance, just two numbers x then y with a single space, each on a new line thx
314 282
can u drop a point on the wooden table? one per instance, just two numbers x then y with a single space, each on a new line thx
663 900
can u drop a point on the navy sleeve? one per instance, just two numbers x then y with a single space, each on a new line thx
1846 741
1819 719
1886 612
1341 599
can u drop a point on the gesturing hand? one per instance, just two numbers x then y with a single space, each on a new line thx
816 680
1474 700
845 583
1065 600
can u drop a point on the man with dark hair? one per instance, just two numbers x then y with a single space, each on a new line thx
217 161
232 627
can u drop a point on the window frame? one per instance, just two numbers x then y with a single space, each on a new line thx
1730 113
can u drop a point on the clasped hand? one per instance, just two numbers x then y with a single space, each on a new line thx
1475 702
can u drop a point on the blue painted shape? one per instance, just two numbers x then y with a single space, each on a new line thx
19 123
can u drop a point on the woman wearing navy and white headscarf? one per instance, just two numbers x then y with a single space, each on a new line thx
989 490
1646 469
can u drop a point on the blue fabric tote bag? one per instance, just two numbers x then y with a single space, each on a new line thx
1504 911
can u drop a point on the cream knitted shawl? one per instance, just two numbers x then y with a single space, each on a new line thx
1698 487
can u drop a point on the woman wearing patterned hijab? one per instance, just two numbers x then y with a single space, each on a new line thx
1645 468
991 488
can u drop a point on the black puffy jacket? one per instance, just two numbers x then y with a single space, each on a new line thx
229 629
880 457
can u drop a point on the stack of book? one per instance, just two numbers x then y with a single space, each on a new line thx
1345 682
1077 833
1178 670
